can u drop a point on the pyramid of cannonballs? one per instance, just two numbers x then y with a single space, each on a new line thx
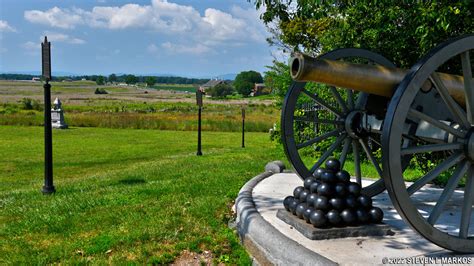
330 199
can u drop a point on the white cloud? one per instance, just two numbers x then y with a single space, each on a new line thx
185 49
213 28
4 27
152 48
55 17
31 46
60 37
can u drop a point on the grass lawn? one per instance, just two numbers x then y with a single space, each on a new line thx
124 195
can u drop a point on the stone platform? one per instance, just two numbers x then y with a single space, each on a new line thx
331 233
272 241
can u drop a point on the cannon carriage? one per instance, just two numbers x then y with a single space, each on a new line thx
356 105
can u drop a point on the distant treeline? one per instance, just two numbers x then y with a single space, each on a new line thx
111 78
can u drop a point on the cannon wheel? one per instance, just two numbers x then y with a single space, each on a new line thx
410 199
345 112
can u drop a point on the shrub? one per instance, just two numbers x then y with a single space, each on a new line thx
30 104
220 90
100 91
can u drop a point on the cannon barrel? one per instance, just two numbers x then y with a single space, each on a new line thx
372 79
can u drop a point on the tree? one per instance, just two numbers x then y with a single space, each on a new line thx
112 78
131 79
100 80
245 81
220 90
150 81
278 78
402 31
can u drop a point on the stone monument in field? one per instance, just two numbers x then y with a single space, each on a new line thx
57 115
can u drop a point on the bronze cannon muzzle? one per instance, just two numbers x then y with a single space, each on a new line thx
372 79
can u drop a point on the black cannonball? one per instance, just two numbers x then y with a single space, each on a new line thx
334 217
328 177
292 206
353 188
300 208
351 202
348 216
319 171
337 203
314 186
340 189
303 195
363 216
322 203
307 182
325 189
286 202
318 219
343 176
306 214
333 164
364 201
297 191
376 215
311 199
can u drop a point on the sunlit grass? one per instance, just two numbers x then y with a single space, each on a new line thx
123 195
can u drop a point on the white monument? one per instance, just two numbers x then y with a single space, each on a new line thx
57 115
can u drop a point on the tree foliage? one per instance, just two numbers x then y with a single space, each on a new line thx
245 80
112 78
150 81
220 90
402 31
278 78
100 80
131 79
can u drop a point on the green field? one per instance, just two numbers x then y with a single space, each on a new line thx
124 195
159 115
176 87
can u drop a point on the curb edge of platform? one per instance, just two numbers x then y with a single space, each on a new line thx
262 240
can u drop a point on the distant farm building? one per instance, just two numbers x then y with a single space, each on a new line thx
211 83
260 89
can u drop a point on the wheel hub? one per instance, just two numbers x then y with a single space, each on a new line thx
470 145
353 124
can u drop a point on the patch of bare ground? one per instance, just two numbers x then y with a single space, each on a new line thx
192 258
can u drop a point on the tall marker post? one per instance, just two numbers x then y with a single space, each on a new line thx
48 187
199 103
243 126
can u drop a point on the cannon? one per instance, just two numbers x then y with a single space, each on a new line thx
356 105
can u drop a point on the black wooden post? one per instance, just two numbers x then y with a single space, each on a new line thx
243 127
199 103
48 187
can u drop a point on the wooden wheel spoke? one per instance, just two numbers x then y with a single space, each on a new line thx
447 192
355 149
431 148
322 102
350 99
468 85
453 107
328 153
445 165
345 150
370 156
467 205
338 98
319 138
412 113
317 120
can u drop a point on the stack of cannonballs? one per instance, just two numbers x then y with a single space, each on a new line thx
329 199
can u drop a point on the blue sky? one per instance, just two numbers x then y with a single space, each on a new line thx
178 37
